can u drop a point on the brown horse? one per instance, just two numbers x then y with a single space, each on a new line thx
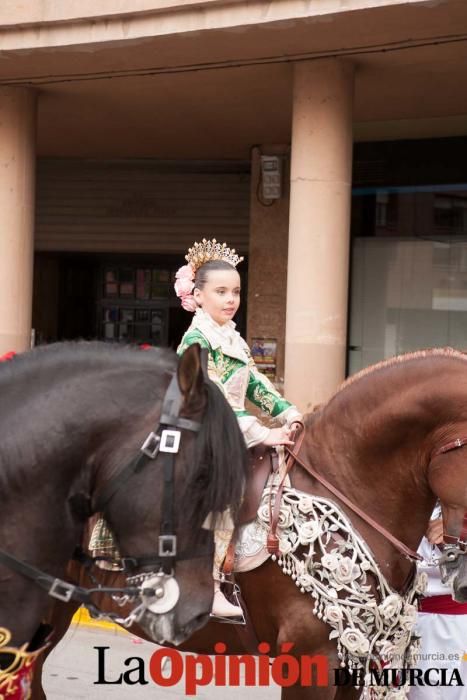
385 439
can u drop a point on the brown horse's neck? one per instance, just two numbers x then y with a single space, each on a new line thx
396 498
374 441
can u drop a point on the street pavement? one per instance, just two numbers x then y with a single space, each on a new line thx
72 670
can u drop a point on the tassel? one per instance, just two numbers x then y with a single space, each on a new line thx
272 544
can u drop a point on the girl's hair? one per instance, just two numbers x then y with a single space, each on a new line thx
201 276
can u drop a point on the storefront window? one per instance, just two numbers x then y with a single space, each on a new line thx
143 283
127 284
408 271
160 284
135 304
111 283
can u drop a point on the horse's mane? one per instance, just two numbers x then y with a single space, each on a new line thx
68 353
401 359
220 446
220 443
27 377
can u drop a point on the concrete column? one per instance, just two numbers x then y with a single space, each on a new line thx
17 178
319 224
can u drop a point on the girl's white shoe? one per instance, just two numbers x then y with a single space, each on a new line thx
221 606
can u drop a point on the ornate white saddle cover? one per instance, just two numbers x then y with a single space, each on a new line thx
327 559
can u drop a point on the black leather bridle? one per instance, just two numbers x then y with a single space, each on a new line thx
162 446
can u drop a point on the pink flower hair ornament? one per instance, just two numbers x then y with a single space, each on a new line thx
184 284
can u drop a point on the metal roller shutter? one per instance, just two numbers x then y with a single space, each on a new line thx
140 206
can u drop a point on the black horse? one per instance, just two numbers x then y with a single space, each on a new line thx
73 418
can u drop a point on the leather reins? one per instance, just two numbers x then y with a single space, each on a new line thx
293 457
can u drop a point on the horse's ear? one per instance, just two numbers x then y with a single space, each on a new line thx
204 362
191 371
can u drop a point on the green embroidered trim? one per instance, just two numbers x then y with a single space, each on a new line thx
260 390
226 366
281 405
241 413
191 337
263 399
262 393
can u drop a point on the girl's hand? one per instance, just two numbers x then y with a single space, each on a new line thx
278 436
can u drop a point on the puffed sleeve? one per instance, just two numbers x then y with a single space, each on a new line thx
263 394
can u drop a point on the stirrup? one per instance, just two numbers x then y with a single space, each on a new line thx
239 619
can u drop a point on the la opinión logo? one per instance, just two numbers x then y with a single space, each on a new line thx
200 669
285 670
399 677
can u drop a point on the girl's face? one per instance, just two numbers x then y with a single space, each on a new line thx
220 296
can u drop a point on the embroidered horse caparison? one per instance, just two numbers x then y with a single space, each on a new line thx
327 559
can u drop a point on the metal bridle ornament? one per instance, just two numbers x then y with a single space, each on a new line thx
157 589
454 547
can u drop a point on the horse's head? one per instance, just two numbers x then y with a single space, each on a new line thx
191 464
453 562
448 479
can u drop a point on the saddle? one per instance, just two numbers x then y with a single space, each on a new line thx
264 462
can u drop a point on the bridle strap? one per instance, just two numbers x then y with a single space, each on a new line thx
400 546
463 535
56 587
205 548
168 522
178 422
453 445
167 554
167 542
169 416
460 541
111 487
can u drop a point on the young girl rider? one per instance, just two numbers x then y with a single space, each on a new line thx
209 287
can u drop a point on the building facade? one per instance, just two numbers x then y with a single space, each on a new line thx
325 140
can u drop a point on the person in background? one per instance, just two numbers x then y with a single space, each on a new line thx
441 623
